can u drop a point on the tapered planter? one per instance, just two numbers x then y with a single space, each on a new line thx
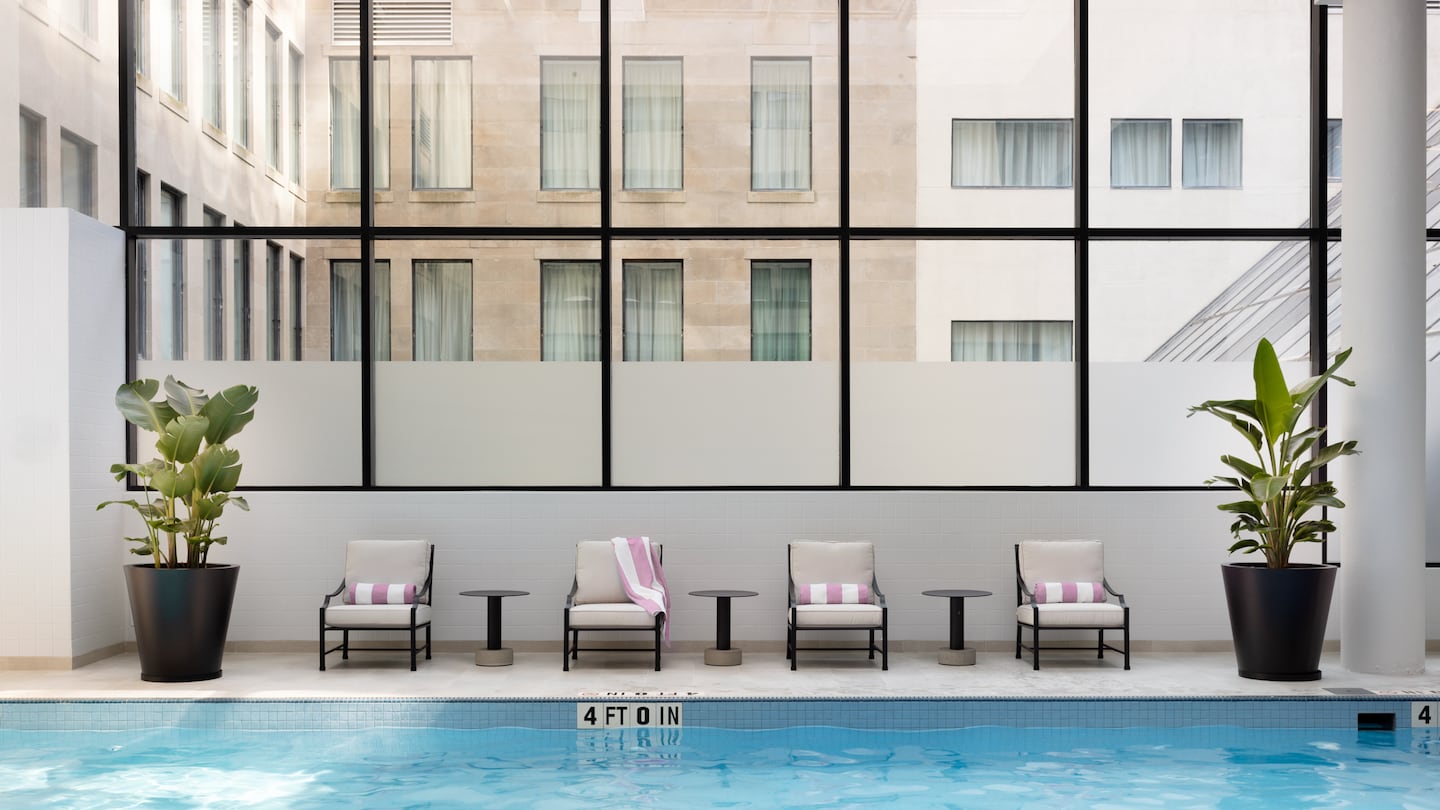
181 617
1277 618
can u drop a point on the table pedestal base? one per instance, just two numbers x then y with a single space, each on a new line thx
958 658
502 657
715 657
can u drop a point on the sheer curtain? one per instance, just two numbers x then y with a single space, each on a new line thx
780 310
1211 154
1139 153
345 123
994 341
779 124
442 123
1025 154
345 310
570 311
653 118
442 310
653 311
570 123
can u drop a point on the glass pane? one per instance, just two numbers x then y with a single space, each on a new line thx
937 395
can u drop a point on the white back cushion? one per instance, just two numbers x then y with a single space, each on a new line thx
1062 561
394 562
597 577
817 561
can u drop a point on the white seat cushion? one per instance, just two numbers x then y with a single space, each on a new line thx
837 616
1074 614
374 615
610 615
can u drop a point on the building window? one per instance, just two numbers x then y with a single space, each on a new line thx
345 123
1010 341
172 278
274 307
441 148
170 45
274 96
442 310
780 310
212 35
243 299
654 311
345 310
214 289
297 306
653 124
1210 153
779 124
142 37
79 15
570 311
1139 153
297 116
240 72
142 268
1333 154
1010 153
570 123
77 173
32 160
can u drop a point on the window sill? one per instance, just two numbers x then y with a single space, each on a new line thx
174 105
81 40
353 197
567 196
143 84
443 196
216 134
677 196
243 153
276 176
782 196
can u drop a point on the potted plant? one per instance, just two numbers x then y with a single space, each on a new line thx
179 600
1278 609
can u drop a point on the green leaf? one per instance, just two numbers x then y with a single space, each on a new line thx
1247 545
1273 404
210 468
172 483
1268 487
185 400
1306 389
1242 466
182 438
229 412
133 401
1232 412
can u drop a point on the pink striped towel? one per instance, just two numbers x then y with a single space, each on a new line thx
1051 592
831 593
642 576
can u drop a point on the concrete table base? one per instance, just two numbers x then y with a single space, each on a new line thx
722 658
502 657
958 658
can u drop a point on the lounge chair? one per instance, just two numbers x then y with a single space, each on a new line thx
386 587
1061 585
598 601
833 587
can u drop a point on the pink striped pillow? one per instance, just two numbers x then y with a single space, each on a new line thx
367 593
1052 592
833 594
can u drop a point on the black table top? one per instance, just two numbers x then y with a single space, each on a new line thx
723 594
962 593
493 592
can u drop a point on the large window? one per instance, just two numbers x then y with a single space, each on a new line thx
653 119
274 95
243 280
32 160
1010 154
297 307
214 289
79 15
170 285
1140 153
345 311
297 117
141 315
441 115
345 123
211 35
142 37
77 173
654 310
570 123
1334 160
240 72
780 310
274 302
1211 153
170 48
442 310
780 124
1011 341
570 311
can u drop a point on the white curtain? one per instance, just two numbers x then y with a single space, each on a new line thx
780 124
442 310
780 311
653 312
442 123
1211 154
570 311
1139 153
345 310
1011 341
653 118
570 123
1025 154
345 123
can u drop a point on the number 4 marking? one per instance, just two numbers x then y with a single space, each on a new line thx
1424 715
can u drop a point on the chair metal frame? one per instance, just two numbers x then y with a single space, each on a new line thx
422 596
570 636
792 647
1023 596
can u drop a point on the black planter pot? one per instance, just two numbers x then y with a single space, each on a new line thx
1277 618
181 617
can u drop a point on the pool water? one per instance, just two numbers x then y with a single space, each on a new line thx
820 767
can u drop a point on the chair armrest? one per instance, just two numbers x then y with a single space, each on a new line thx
875 590
1023 596
570 597
422 596
1119 597
339 590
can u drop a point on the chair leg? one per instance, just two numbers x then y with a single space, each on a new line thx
872 644
427 642
1019 628
413 650
1035 650
884 640
322 639
345 646
575 645
565 644
794 648
1100 644
1127 642
657 648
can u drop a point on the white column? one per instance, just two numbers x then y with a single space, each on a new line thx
1382 530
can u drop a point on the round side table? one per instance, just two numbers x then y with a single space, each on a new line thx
958 655
721 655
493 655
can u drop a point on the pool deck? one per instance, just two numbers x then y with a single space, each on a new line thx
763 674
